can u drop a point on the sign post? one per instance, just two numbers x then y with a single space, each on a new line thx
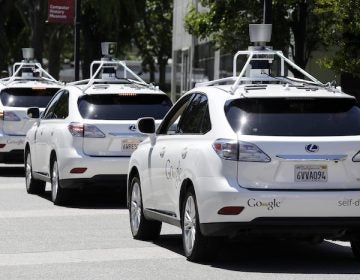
77 39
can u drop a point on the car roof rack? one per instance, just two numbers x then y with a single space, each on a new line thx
102 65
107 67
257 67
29 70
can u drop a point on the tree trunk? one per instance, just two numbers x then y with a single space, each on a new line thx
299 31
56 44
5 7
38 28
162 73
350 84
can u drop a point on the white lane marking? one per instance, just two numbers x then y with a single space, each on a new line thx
12 186
96 255
61 213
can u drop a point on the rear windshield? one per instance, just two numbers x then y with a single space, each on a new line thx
120 107
27 97
294 117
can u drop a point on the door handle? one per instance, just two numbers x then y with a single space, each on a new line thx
184 153
162 152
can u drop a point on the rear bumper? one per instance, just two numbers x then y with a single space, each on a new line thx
117 182
328 227
290 213
14 156
13 151
95 166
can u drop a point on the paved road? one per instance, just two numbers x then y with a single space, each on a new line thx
90 239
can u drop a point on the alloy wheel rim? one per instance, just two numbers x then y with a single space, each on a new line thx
54 181
28 172
135 208
189 230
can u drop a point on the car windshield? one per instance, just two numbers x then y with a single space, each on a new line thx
294 117
123 106
27 97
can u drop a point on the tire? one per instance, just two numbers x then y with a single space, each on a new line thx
355 247
141 228
33 186
197 247
59 195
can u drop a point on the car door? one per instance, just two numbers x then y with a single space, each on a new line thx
53 115
180 149
159 170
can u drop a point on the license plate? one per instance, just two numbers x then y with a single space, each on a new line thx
130 145
311 173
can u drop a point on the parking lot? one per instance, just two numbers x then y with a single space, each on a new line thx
91 239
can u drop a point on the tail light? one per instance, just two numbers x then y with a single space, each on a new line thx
85 130
240 151
9 116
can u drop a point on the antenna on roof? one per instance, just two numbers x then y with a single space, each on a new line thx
28 54
260 34
108 51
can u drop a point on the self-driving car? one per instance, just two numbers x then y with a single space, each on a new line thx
28 86
87 132
260 153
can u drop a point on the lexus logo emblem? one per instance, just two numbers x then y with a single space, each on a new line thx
311 148
132 127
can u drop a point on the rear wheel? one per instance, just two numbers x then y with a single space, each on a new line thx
141 228
197 247
33 186
355 246
58 194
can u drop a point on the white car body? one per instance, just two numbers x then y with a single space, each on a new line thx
17 94
90 133
252 171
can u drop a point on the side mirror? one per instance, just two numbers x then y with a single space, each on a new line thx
146 125
33 113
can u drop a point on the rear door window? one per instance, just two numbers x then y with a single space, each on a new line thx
123 107
27 97
294 117
196 118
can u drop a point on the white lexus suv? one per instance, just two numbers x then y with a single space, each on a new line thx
255 154
87 133
30 85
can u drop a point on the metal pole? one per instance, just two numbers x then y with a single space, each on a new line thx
77 38
267 13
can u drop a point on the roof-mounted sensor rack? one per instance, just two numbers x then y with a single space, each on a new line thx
28 69
111 71
259 64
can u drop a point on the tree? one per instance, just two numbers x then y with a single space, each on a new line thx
100 23
226 24
153 35
34 14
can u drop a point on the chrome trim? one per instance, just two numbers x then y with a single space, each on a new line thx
313 157
127 134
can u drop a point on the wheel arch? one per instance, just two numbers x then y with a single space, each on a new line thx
186 185
51 160
133 172
26 149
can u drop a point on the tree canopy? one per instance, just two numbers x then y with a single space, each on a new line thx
144 26
340 28
226 24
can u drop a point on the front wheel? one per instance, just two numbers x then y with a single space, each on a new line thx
197 247
141 228
33 186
